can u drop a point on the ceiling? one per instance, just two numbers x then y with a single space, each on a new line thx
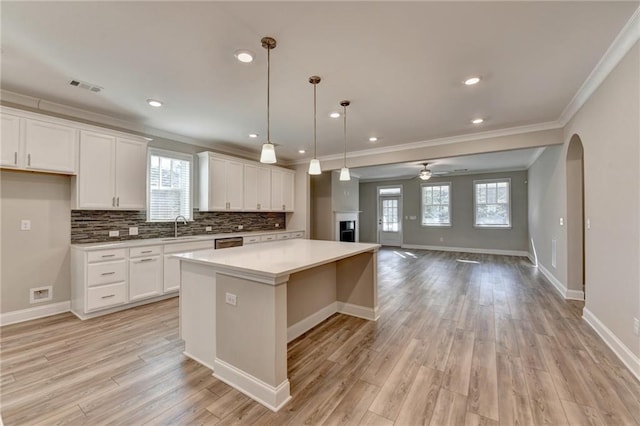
400 63
512 160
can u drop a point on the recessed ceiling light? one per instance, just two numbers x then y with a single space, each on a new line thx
477 121
373 139
253 135
334 115
243 55
472 80
154 103
301 151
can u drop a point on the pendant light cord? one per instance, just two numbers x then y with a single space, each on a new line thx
314 121
268 92
345 135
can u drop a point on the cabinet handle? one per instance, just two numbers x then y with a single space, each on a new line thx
146 260
107 273
147 251
283 208
118 202
108 255
113 201
28 159
108 296
15 158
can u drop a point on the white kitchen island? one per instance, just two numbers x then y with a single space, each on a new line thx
240 306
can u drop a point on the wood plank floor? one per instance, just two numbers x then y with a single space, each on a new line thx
456 344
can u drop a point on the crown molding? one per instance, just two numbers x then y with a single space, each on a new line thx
510 131
624 41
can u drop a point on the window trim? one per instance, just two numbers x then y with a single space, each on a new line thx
475 208
177 156
436 225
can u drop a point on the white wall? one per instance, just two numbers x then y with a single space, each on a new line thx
609 127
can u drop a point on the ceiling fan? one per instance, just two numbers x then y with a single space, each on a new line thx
425 173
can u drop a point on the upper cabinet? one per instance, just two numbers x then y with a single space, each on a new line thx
38 145
112 173
233 184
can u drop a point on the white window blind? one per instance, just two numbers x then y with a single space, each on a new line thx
436 204
169 185
492 202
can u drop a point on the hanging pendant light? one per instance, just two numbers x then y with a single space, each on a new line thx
344 171
314 165
268 154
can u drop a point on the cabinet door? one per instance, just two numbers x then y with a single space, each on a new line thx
217 184
276 190
50 147
250 201
96 176
131 174
145 277
171 274
288 190
235 185
10 146
264 188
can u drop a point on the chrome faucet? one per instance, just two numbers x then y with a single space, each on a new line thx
175 225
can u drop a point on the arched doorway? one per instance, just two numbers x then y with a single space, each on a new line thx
575 218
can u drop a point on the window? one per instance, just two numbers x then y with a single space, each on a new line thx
169 185
492 203
436 204
390 220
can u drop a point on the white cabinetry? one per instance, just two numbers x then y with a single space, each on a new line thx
257 188
38 145
282 190
112 172
172 265
221 183
145 272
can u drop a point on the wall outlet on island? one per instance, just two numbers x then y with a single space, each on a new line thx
208 229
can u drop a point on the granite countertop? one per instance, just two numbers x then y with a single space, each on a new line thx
172 240
277 258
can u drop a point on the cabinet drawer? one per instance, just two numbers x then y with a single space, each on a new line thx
106 272
268 238
104 255
299 234
106 295
251 240
283 236
145 251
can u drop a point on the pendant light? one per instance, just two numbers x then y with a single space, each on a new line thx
344 171
268 154
314 165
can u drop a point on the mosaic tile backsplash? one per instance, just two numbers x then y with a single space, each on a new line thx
93 226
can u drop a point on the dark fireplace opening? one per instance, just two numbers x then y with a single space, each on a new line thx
348 231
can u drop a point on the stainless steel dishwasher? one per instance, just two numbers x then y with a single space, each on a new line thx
222 243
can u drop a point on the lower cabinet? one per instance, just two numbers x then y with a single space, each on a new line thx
171 281
145 272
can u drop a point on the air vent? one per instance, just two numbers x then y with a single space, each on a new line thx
86 86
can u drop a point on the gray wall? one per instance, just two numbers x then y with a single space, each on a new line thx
39 257
462 233
321 207
344 194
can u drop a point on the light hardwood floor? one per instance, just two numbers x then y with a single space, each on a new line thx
456 343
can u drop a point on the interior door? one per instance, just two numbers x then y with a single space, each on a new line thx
389 223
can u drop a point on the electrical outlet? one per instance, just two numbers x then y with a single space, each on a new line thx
588 223
561 221
25 225
133 230
636 326
240 227
277 225
441 239
230 299
208 228
114 233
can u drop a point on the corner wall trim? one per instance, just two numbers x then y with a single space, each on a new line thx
271 397
628 358
562 289
28 314
520 253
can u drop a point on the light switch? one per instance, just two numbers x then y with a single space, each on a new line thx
25 225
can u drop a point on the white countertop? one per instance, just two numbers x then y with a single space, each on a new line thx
171 240
277 258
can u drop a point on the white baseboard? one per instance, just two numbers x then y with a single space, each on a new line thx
367 313
36 312
627 357
560 287
532 259
198 360
311 321
520 253
271 397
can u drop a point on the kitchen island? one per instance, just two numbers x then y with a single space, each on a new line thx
240 306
